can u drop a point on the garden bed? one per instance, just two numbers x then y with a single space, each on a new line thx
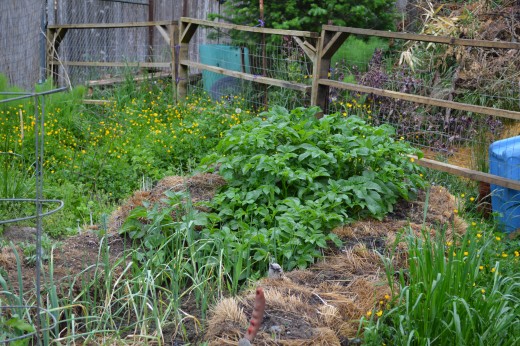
321 305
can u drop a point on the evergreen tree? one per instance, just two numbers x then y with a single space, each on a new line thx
311 15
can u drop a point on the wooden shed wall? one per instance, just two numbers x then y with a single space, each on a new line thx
20 22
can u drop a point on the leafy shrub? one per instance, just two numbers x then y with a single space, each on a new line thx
293 177
311 15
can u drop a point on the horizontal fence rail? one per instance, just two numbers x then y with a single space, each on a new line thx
315 52
306 42
106 45
332 37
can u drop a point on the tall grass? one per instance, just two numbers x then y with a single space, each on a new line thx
453 292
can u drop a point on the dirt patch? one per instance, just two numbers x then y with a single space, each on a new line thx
71 256
322 305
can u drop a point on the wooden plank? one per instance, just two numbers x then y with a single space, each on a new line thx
310 51
246 76
97 102
187 32
424 38
422 99
333 45
164 33
251 28
110 81
111 25
310 46
54 39
469 173
174 34
113 64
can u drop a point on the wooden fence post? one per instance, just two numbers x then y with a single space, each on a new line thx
186 31
54 38
328 45
174 35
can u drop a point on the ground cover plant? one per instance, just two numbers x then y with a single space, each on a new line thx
97 155
291 177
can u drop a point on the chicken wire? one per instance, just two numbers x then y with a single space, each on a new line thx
127 47
279 57
21 41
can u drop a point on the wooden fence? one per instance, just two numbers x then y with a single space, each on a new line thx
319 50
56 34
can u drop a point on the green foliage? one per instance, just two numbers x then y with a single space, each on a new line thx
97 155
29 249
460 291
13 327
358 52
170 245
293 177
311 15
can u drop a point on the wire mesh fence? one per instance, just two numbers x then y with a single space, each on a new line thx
455 73
104 52
103 49
264 56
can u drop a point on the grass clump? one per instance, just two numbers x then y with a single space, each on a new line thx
462 290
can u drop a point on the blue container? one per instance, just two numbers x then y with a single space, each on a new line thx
504 161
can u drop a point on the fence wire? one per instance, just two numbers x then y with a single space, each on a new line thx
11 187
272 56
478 76
123 47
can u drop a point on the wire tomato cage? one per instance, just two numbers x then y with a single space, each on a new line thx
12 312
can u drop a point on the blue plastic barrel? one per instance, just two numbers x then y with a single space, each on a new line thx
504 161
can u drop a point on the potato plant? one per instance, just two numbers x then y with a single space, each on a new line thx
293 177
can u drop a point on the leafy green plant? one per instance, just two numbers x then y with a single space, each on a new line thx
29 249
14 327
293 177
168 244
15 322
